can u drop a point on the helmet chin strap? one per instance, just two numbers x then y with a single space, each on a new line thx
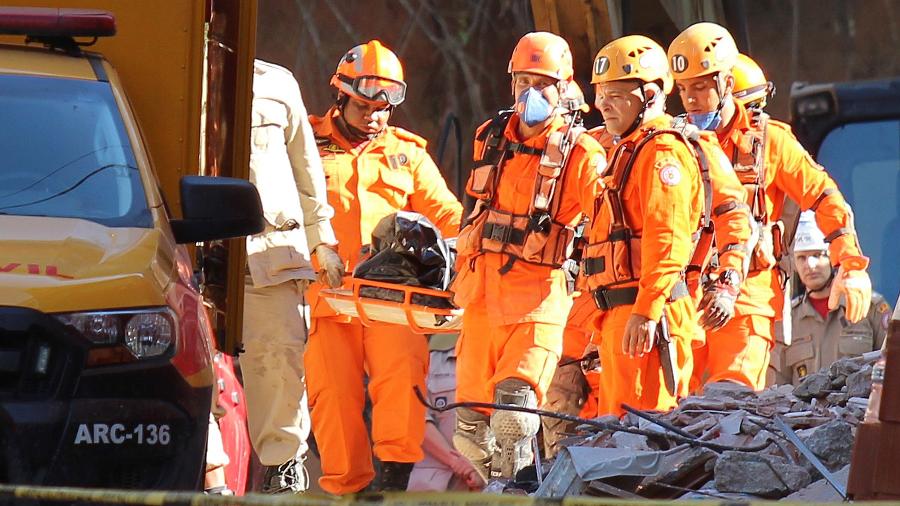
720 92
353 134
825 284
640 116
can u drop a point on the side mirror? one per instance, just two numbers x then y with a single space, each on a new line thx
217 208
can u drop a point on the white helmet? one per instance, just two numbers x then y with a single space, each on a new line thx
808 236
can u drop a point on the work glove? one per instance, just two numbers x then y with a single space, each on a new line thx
331 267
590 360
717 304
853 283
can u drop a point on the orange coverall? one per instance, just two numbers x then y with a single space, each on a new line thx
729 214
663 203
739 351
513 322
576 337
571 391
730 217
365 183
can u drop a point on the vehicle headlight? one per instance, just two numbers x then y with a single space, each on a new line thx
98 328
146 333
149 334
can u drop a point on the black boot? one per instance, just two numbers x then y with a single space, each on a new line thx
395 476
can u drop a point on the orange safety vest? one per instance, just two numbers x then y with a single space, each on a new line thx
705 259
765 247
535 237
612 264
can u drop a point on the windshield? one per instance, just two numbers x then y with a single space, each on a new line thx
66 153
864 159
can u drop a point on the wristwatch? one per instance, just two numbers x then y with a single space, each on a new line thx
730 277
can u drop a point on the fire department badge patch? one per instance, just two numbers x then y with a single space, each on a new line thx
670 174
598 163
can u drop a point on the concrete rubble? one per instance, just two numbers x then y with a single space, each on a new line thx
723 443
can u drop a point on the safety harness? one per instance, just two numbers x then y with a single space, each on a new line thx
765 245
535 237
616 261
707 251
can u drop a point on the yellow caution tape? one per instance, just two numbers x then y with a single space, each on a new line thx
154 498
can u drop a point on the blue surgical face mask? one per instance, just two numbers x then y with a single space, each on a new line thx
533 107
706 121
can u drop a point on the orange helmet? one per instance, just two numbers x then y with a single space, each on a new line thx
542 53
371 72
750 85
702 49
633 57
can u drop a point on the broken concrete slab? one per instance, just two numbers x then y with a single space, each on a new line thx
831 442
731 424
725 390
629 441
732 415
702 403
815 385
763 475
678 466
820 491
838 398
859 384
844 367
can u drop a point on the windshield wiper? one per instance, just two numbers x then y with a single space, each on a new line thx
70 188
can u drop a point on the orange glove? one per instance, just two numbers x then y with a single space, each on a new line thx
854 284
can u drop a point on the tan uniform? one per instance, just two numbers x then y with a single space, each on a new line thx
819 342
287 171
429 474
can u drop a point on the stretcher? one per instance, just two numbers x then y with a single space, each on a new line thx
422 310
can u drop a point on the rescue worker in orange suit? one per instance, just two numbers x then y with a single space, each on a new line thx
372 170
572 390
651 204
772 165
533 177
751 88
719 253
287 172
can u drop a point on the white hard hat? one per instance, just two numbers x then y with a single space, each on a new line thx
808 236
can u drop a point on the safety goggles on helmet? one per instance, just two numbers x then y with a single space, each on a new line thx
377 88
755 93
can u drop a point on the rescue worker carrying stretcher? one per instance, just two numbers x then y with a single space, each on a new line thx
772 165
640 242
371 170
535 173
